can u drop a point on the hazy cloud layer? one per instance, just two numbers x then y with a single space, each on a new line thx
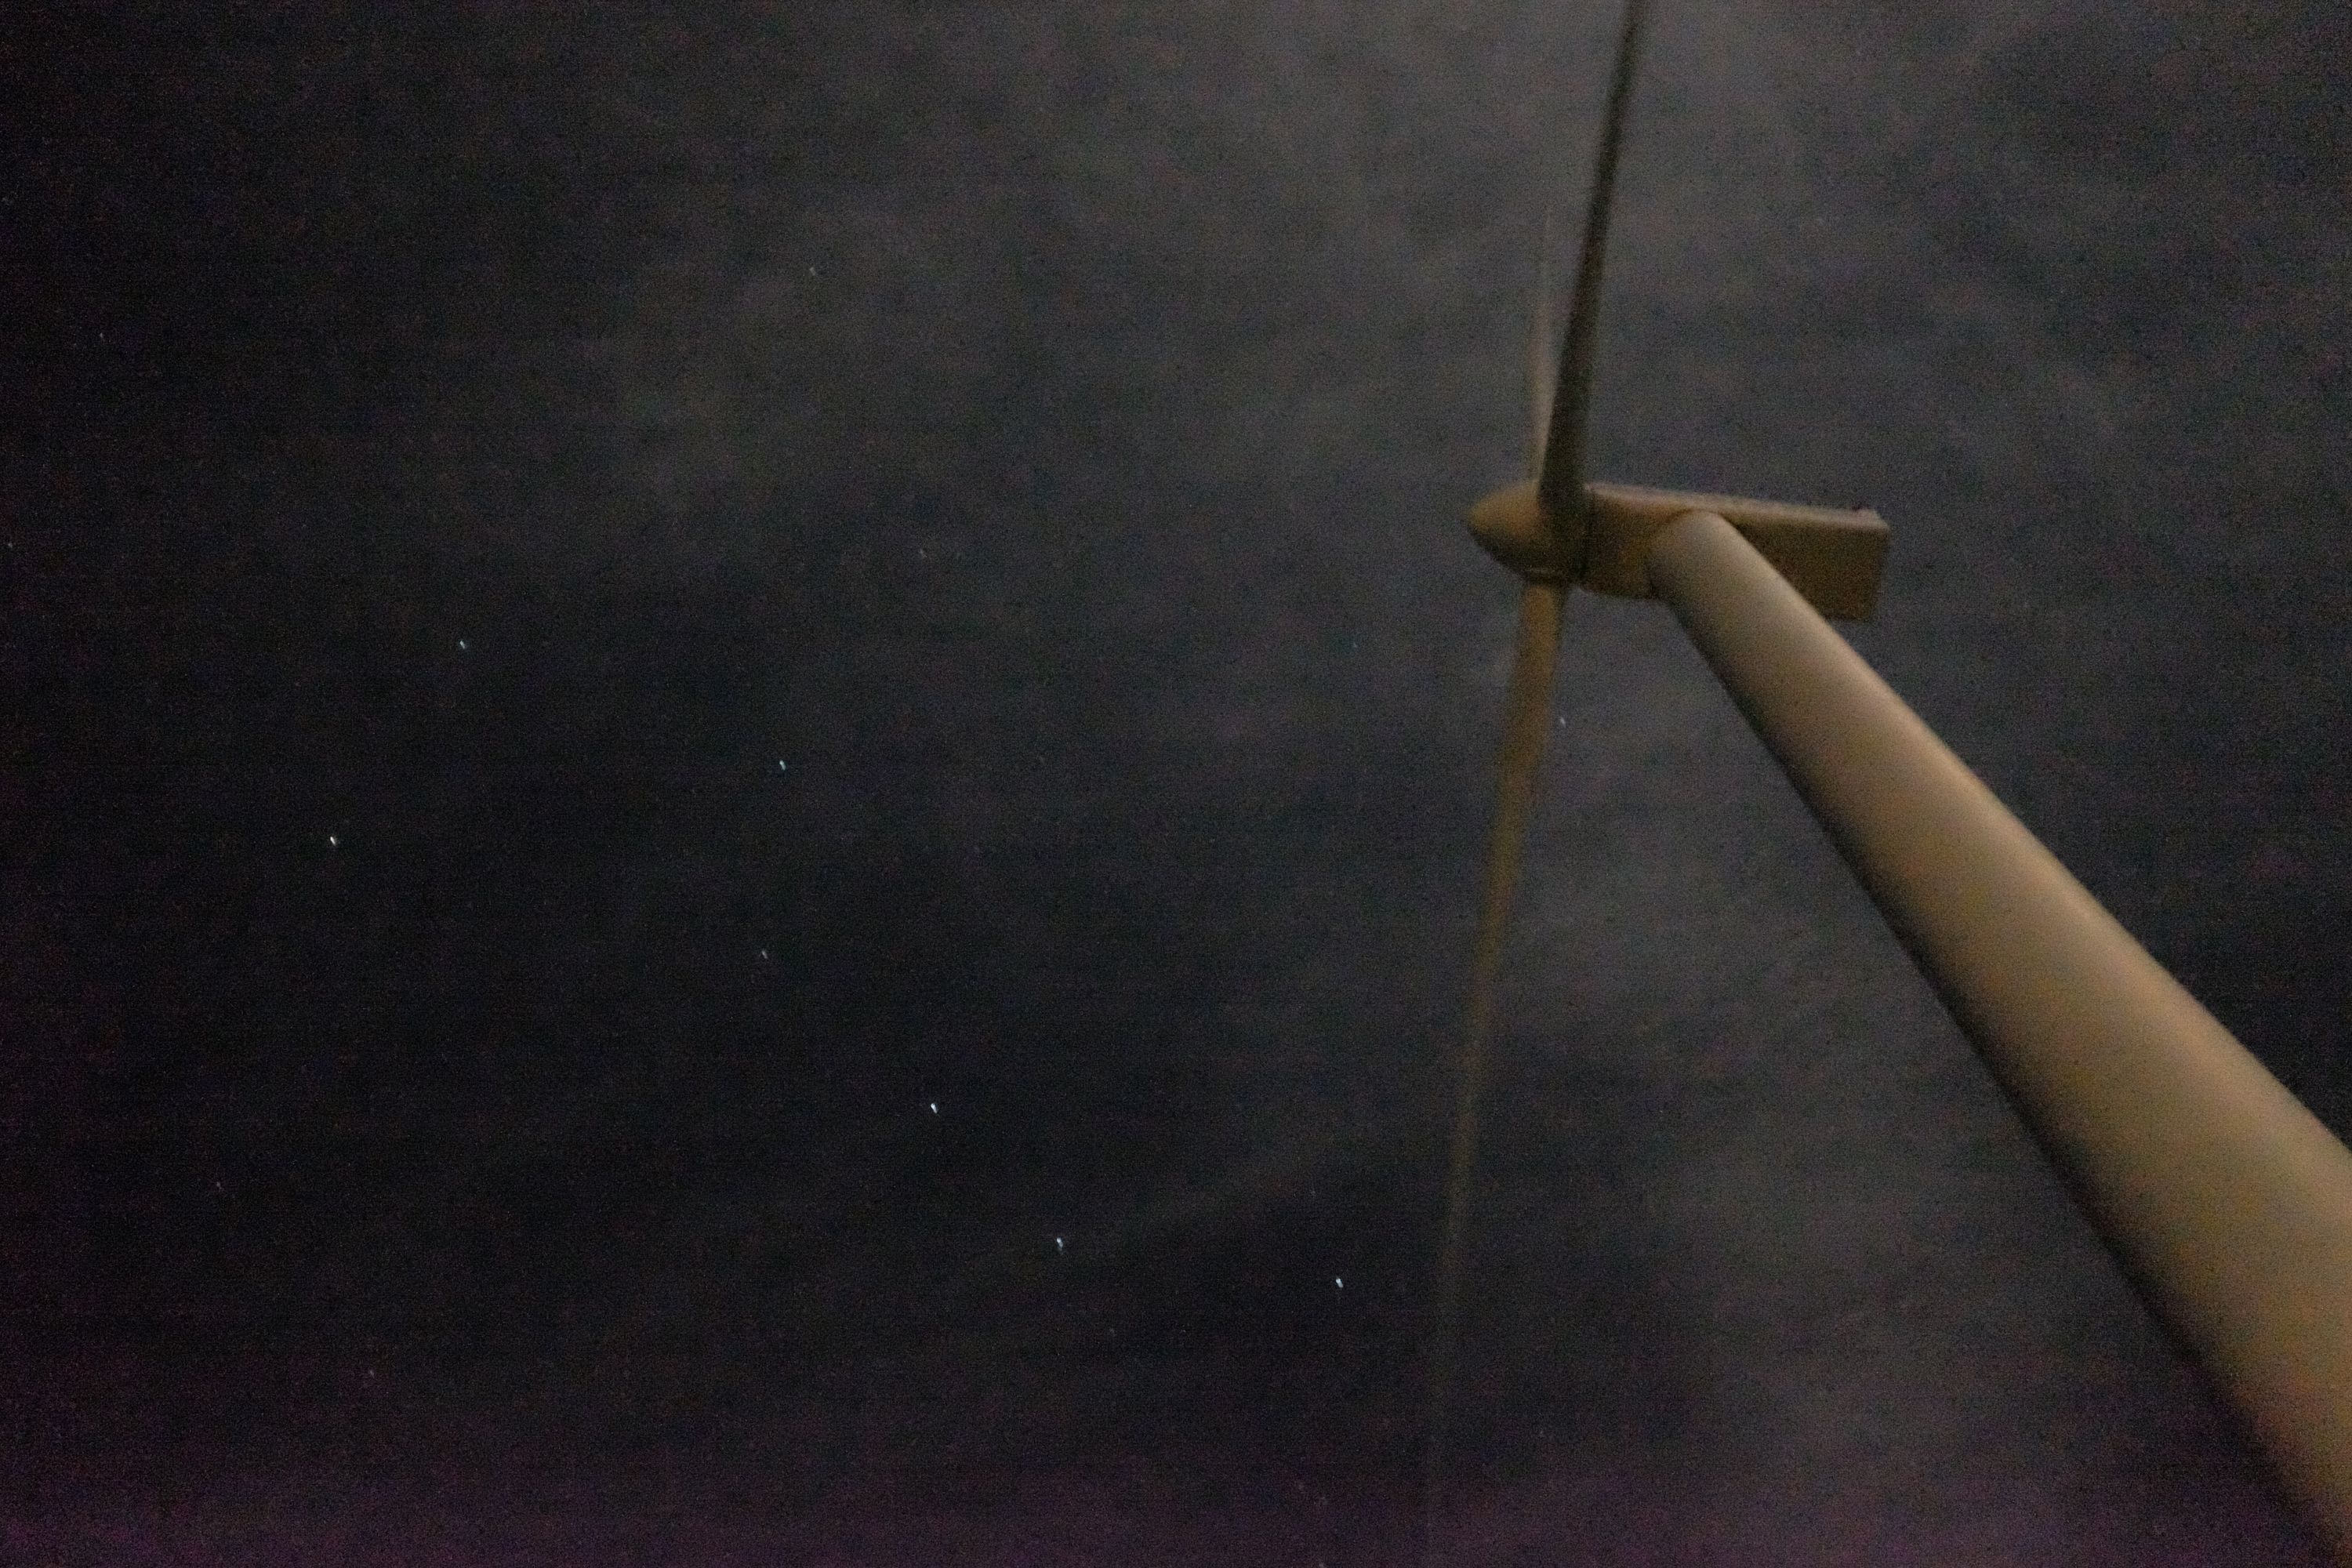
817 561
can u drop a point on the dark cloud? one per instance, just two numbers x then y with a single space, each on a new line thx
605 612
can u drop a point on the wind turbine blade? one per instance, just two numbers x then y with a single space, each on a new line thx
1560 485
1527 706
1543 367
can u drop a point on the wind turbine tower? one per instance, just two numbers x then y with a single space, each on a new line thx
2226 1202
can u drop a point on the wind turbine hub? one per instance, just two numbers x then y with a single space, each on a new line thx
1514 528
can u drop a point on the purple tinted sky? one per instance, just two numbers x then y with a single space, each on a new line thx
602 611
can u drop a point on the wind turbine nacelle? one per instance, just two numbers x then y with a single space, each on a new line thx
1832 557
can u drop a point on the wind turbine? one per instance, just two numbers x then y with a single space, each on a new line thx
2228 1204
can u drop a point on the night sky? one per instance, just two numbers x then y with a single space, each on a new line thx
746 753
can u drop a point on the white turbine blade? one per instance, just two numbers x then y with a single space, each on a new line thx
1560 416
1526 705
1543 365
1561 482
